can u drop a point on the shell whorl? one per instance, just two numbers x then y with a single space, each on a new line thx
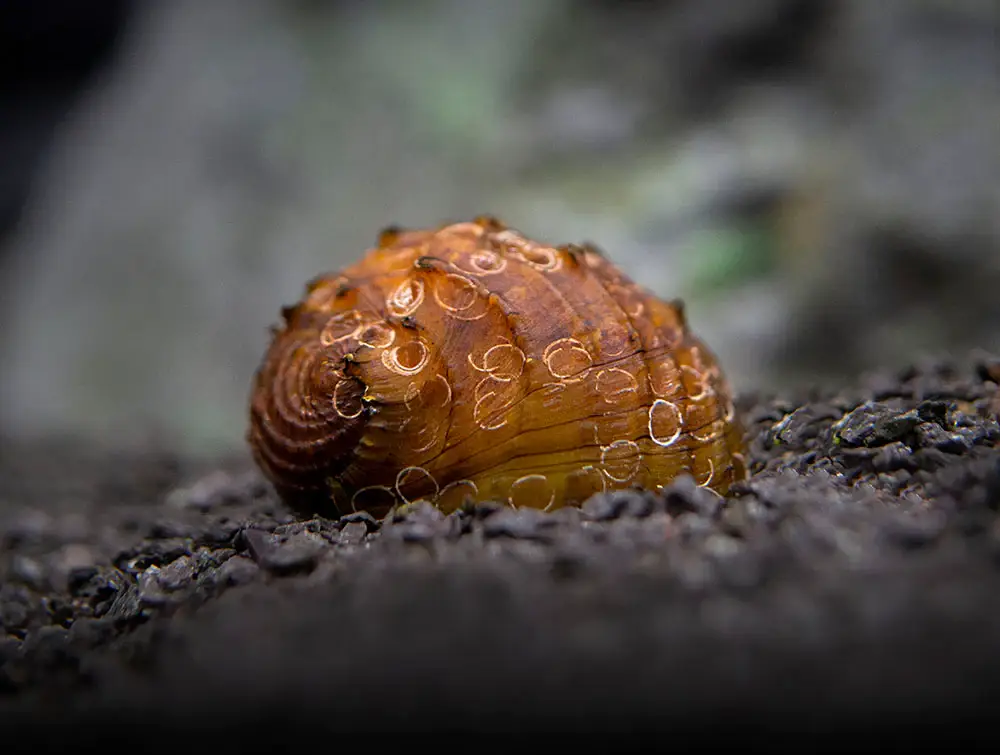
470 361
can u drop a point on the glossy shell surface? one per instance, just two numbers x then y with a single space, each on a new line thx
470 362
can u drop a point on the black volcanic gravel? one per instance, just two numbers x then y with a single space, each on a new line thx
852 584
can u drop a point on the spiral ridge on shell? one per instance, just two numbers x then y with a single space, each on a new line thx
469 362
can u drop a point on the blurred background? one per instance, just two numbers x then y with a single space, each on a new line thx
819 180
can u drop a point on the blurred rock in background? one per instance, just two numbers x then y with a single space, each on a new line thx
817 179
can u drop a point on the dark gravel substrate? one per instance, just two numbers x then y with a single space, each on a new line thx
850 586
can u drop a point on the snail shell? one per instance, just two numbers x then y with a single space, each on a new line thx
471 362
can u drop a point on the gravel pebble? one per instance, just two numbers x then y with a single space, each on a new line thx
524 524
284 554
237 570
872 513
353 532
177 574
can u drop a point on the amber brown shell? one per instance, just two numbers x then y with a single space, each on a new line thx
469 362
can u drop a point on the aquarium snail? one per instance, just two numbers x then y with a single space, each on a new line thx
469 362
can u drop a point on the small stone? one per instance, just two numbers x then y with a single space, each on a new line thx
150 591
151 553
456 524
481 510
59 610
602 507
684 495
353 533
363 517
855 454
318 525
420 511
803 424
289 554
255 541
640 503
875 424
218 532
894 481
935 436
297 554
894 456
238 570
412 532
933 411
619 503
211 559
524 524
127 605
100 589
177 574
421 522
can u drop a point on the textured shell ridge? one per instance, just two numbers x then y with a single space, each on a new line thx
470 361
